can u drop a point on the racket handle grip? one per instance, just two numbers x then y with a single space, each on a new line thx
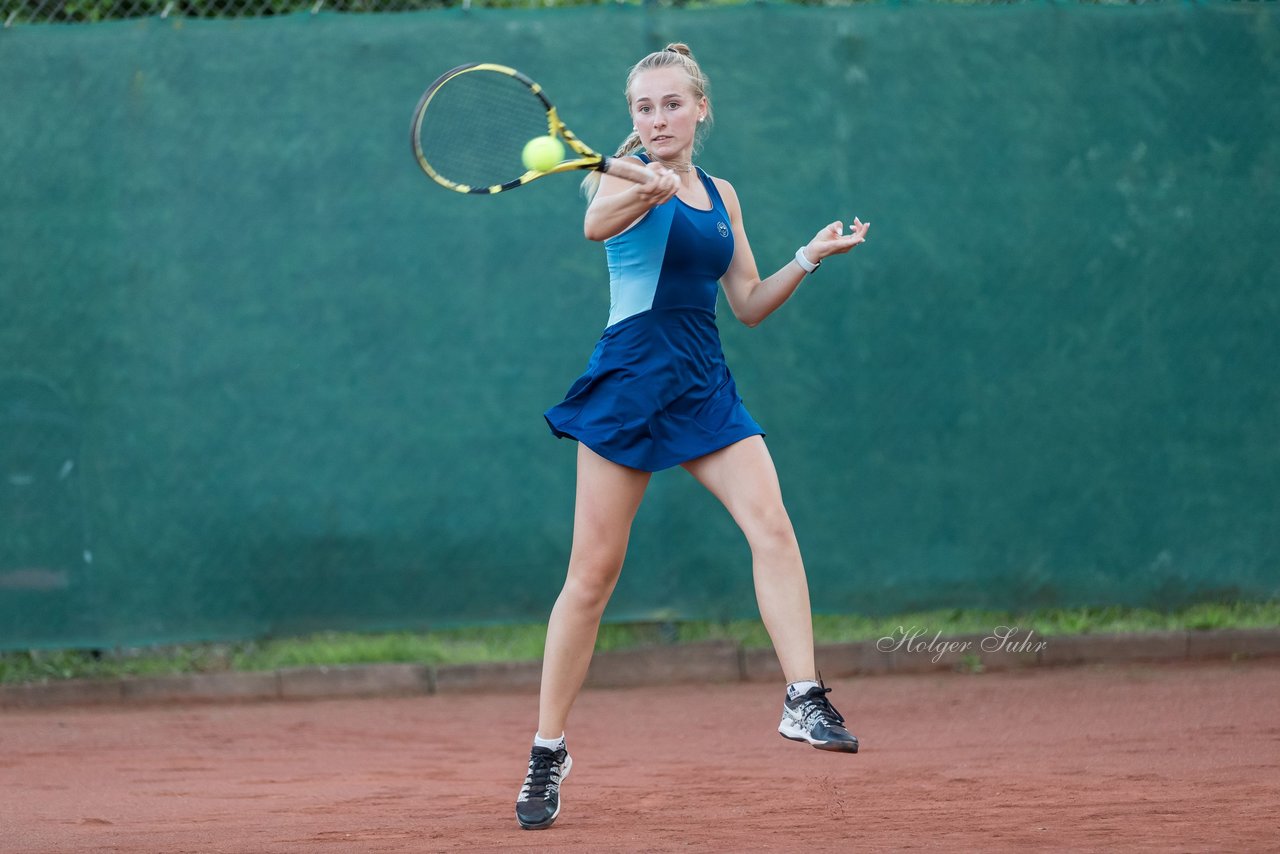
628 168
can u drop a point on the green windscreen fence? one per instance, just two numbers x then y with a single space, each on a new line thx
259 376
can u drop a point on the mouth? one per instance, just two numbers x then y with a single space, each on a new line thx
659 138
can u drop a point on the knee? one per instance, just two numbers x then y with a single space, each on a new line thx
590 582
770 530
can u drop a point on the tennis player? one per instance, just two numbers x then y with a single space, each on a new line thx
656 394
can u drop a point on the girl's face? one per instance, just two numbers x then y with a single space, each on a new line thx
666 112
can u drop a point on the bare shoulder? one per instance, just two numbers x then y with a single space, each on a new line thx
723 186
727 193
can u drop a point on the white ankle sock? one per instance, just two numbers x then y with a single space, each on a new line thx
799 689
556 743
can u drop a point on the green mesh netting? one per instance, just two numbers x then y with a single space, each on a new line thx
260 376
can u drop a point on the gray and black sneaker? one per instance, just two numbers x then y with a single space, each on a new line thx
539 801
811 717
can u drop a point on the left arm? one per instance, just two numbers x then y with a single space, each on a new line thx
752 298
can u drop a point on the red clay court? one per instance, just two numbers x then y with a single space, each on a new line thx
1135 757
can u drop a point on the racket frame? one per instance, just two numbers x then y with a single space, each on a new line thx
586 159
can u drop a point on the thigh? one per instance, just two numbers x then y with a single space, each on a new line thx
607 498
743 477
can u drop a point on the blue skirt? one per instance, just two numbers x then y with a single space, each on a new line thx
656 393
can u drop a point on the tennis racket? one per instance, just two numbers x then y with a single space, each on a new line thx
472 123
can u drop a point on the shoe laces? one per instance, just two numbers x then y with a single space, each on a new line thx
543 779
815 706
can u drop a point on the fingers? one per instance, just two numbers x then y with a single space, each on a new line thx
836 229
857 233
832 240
661 187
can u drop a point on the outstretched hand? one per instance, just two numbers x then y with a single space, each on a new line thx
833 241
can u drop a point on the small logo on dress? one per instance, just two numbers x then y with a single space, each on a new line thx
723 229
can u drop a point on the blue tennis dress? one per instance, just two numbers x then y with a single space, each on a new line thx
657 392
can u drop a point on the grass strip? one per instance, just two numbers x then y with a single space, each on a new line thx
524 642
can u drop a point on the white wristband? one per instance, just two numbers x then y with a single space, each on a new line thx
805 264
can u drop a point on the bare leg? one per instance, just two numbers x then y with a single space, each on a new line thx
608 496
742 476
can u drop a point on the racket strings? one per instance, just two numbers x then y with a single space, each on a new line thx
476 125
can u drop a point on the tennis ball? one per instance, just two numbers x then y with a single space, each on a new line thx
542 153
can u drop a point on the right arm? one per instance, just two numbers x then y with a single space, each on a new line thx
620 202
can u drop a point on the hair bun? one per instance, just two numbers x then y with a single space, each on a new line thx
680 48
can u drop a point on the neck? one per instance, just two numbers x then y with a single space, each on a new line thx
674 166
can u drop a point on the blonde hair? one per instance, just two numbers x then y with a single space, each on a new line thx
674 55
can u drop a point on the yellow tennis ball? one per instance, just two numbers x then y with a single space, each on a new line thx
542 153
